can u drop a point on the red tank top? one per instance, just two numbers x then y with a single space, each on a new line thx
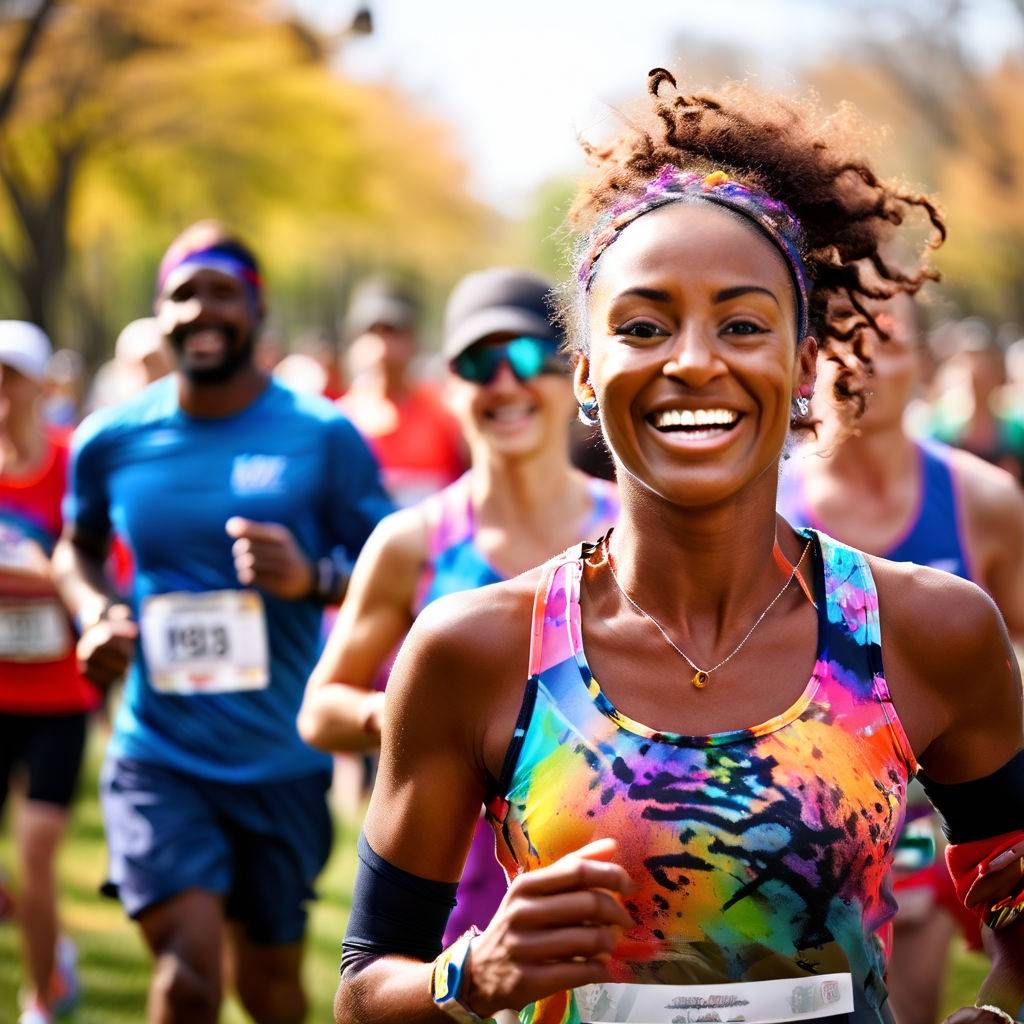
38 672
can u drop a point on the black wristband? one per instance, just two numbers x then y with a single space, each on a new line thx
982 807
330 579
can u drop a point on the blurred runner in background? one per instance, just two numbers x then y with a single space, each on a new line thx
139 359
232 493
65 386
320 346
874 487
520 503
44 701
413 436
967 411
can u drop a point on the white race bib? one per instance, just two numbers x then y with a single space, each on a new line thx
33 629
754 1002
211 642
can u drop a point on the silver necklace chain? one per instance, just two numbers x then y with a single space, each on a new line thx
703 675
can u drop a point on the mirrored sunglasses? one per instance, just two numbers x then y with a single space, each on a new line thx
527 357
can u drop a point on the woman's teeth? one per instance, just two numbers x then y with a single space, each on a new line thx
697 423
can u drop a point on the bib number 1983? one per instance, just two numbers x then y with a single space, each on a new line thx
213 642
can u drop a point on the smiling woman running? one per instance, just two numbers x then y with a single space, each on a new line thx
729 858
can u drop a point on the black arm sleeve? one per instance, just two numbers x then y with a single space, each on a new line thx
393 913
982 807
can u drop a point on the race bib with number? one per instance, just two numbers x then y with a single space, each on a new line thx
33 630
212 642
757 1002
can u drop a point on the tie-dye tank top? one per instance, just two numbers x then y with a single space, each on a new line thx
455 563
761 853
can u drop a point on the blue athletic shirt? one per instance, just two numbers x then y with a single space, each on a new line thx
167 483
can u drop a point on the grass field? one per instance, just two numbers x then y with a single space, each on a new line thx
114 966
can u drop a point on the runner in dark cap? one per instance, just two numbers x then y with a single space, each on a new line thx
520 503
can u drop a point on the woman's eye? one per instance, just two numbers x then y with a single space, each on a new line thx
744 327
641 329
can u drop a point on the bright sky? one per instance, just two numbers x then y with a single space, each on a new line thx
518 79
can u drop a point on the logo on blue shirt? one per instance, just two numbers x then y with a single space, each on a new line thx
258 474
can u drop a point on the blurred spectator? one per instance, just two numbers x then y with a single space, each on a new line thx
968 410
320 348
302 373
269 351
65 386
139 360
416 440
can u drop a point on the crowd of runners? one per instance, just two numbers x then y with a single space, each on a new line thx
737 468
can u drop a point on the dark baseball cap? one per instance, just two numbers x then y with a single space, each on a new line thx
380 302
498 300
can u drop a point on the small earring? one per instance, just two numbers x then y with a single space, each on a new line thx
588 413
803 405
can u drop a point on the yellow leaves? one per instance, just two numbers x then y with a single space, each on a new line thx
961 135
185 109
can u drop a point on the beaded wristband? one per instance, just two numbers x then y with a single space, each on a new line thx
447 978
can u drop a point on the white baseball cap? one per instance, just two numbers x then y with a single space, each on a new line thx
25 348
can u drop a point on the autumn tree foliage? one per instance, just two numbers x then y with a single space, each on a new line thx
955 122
132 119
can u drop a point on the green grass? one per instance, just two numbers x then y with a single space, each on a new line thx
114 966
113 963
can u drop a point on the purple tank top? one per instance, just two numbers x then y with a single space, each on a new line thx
934 535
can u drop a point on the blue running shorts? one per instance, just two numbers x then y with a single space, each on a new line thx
259 845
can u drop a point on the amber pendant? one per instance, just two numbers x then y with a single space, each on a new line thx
700 679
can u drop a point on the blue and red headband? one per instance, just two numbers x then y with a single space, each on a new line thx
772 217
225 255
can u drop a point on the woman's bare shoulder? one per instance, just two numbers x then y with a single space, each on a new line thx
460 676
486 626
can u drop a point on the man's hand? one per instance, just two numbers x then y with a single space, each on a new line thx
106 648
266 556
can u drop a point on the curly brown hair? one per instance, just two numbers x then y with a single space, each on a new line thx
848 214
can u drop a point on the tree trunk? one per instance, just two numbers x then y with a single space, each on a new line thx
22 57
43 220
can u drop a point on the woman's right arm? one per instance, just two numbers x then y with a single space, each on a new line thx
341 711
452 704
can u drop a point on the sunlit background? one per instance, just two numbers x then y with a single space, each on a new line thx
430 138
426 139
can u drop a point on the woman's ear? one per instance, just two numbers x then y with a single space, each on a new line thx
807 366
581 385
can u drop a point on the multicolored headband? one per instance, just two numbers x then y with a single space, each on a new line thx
226 256
772 217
